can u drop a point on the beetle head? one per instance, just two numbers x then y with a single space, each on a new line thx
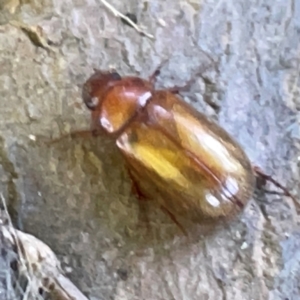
115 101
96 86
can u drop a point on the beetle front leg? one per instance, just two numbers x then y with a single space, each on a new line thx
73 135
155 74
174 89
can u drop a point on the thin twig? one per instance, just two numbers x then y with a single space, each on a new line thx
120 15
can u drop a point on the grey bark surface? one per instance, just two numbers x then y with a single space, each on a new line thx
75 195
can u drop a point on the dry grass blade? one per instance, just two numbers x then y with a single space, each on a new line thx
128 20
38 264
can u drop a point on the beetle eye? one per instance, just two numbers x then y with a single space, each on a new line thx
98 84
93 102
115 76
90 102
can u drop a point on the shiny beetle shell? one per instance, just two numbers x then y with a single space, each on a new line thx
176 156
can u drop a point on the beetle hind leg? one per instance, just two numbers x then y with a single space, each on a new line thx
263 177
173 218
142 198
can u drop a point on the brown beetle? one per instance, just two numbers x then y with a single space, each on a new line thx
189 164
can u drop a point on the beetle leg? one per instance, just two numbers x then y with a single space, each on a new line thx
263 177
173 218
87 133
153 76
135 188
142 198
143 216
74 134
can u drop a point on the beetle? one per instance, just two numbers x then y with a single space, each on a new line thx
174 154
